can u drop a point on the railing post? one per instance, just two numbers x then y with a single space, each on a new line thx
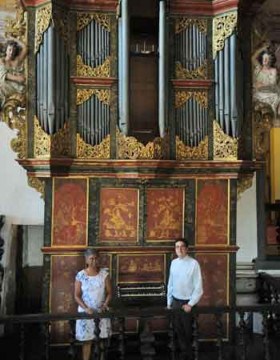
121 347
195 343
97 339
266 336
21 342
72 351
147 340
242 341
171 334
46 336
219 325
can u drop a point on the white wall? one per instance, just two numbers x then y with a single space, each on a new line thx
246 236
18 201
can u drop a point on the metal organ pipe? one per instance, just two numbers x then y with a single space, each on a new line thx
162 67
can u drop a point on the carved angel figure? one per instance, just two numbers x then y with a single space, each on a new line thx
12 79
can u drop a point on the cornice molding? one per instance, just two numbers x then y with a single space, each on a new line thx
202 7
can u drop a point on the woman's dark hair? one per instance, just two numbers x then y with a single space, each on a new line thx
272 57
182 240
88 252
16 48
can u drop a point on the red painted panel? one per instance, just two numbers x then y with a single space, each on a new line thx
141 268
165 214
212 212
118 215
69 224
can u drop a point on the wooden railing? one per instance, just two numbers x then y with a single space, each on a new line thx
147 341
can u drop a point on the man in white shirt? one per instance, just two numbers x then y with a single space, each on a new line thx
184 291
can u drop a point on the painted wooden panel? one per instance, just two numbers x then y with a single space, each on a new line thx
215 274
69 213
140 268
118 215
165 214
212 212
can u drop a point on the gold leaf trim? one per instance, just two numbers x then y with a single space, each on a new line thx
244 183
263 122
103 95
102 70
223 27
84 19
42 20
183 23
225 147
16 28
181 97
37 184
56 145
101 151
19 144
184 152
198 73
130 148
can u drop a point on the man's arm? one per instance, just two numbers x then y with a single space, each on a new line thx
197 286
170 288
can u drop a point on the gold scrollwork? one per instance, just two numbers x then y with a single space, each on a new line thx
102 70
130 148
16 28
103 95
84 19
181 97
100 151
56 145
183 23
19 144
263 122
198 73
37 184
225 146
244 183
223 27
43 17
184 152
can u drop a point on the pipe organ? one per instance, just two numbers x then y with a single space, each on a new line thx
135 146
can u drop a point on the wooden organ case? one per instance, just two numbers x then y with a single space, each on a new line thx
130 174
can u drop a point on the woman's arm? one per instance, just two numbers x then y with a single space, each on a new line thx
78 297
17 78
108 290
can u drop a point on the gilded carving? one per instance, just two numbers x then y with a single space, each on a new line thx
16 28
101 151
263 122
43 17
184 152
46 145
130 148
84 19
19 144
198 73
181 97
223 27
225 146
102 70
244 183
183 23
37 184
103 95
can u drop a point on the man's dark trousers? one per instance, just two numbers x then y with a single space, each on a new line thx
183 329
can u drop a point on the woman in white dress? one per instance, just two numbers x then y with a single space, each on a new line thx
93 292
